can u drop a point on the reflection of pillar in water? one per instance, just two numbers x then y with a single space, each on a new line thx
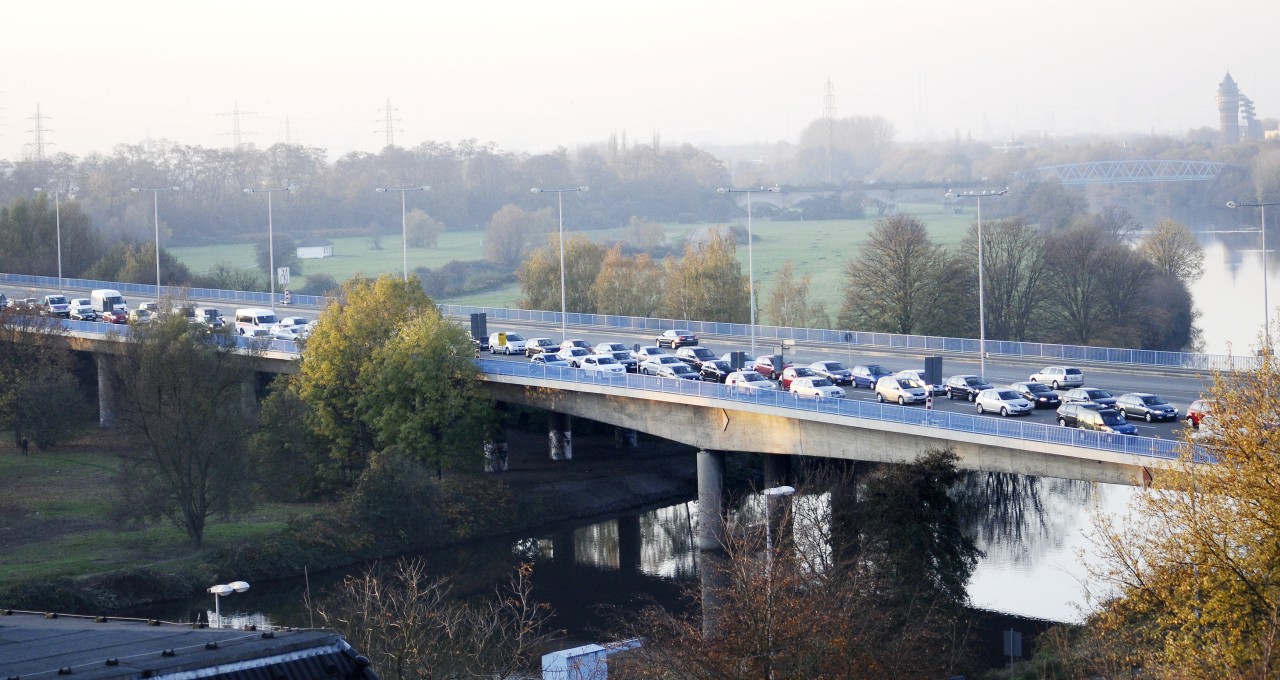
845 518
777 469
560 436
562 547
106 391
495 456
624 438
711 500
629 543
713 575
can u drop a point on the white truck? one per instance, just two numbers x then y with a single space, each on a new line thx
107 300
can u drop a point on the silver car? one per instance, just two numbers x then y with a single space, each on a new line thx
902 390
1005 401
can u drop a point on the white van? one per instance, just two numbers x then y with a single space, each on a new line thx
252 319
106 300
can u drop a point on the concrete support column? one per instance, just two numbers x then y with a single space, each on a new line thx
106 391
711 500
624 438
629 543
560 436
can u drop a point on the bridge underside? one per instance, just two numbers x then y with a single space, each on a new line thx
748 427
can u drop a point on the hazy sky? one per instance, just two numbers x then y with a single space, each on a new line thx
535 75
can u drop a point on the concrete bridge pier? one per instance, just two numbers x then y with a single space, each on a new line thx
560 435
624 438
629 544
106 391
711 519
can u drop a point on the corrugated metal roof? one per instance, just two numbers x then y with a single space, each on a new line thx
36 647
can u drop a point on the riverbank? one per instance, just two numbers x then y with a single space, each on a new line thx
65 552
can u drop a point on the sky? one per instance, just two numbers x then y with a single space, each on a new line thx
533 76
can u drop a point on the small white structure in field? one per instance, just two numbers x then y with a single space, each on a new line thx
312 249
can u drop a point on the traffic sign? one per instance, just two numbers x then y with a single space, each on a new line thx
282 275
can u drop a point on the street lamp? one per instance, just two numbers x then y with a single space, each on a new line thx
220 590
1266 308
404 229
751 266
982 305
564 312
57 220
769 495
271 245
155 207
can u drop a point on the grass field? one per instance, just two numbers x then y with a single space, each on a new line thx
817 248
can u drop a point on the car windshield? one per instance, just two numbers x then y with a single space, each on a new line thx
752 377
1112 418
1154 401
621 355
876 369
681 368
821 382
1098 394
835 366
1008 395
1073 371
804 372
974 381
57 300
1037 388
681 332
906 383
603 361
514 337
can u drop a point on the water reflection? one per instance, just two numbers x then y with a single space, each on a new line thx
1229 296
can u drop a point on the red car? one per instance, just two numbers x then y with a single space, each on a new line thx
1198 410
770 366
792 372
114 317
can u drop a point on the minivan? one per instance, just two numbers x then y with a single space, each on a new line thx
252 319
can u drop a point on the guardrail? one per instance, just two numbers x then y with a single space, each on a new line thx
1050 353
1164 449
121 331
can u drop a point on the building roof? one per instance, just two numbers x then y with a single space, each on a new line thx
36 646
313 242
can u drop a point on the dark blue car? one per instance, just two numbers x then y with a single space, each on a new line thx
867 375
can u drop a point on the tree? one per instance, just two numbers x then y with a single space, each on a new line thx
420 392
412 627
1013 276
29 343
49 407
1187 582
285 255
367 314
511 230
423 230
1174 251
183 409
892 286
1077 304
627 285
789 301
540 274
707 283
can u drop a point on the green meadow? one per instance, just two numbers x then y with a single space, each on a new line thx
819 248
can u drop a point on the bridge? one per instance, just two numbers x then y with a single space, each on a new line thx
1124 172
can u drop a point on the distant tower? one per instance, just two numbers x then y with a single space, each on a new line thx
1252 126
1229 110
389 122
37 146
237 136
829 114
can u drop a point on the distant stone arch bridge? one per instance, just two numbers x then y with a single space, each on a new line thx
1118 172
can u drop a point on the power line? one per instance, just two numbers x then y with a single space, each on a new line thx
236 134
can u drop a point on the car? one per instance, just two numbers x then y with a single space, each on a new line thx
770 365
545 359
1039 394
251 318
574 355
694 356
113 316
1199 410
506 343
716 370
1005 401
286 333
534 346
676 338
966 386
1069 414
1104 420
600 363
1148 406
142 316
918 376
867 375
150 306
645 353
56 305
677 370
575 342
748 380
257 333
652 365
902 390
81 309
211 317
815 386
790 373
1093 394
610 348
1059 377
836 372
294 321
628 362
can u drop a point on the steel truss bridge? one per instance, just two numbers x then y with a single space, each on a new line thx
1120 172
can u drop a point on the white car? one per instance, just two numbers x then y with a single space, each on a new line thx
902 390
748 380
295 321
600 363
574 355
153 307
512 343
82 310
654 364
1059 377
285 333
1005 401
816 387
610 347
545 359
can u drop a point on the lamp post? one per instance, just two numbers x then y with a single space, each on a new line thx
982 304
1266 306
404 229
564 311
769 495
155 207
751 265
226 589
271 249
57 221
